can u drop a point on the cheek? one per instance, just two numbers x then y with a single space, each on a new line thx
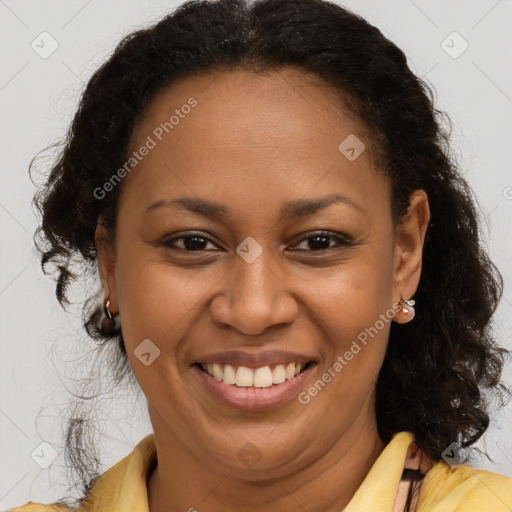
352 315
352 295
352 306
155 302
159 301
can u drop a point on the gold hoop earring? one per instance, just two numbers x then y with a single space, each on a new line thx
108 323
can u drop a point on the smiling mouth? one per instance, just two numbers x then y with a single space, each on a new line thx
261 377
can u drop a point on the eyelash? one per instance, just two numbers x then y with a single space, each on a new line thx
343 241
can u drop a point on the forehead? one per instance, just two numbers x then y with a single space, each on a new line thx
238 134
281 107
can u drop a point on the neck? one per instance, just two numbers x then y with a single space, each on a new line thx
181 481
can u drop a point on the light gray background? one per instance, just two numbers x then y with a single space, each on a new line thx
37 99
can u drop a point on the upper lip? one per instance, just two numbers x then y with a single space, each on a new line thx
254 359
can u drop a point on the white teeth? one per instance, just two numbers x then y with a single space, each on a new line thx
290 370
279 374
217 371
229 375
262 377
244 376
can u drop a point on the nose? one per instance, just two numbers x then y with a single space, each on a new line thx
253 297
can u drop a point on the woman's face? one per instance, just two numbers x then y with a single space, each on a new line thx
249 157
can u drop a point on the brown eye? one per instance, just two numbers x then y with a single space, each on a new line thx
321 241
193 242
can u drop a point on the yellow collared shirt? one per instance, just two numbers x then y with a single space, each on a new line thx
123 488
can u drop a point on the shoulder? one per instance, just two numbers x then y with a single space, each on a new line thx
109 492
39 507
464 489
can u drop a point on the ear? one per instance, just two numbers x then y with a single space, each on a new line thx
106 266
408 251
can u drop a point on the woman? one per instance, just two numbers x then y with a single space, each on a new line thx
263 188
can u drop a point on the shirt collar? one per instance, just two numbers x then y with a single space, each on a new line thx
123 488
379 489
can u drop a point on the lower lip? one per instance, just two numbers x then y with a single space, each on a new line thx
251 398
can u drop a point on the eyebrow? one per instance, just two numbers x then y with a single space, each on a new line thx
290 210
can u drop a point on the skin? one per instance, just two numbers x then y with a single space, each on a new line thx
252 143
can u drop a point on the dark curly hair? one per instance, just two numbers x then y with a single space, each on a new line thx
437 367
